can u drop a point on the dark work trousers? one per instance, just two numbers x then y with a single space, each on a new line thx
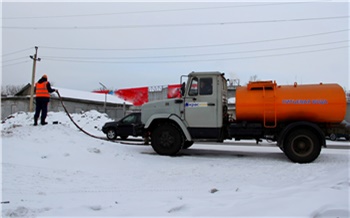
41 106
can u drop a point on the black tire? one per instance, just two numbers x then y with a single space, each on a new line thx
187 144
302 146
281 148
111 134
167 139
333 137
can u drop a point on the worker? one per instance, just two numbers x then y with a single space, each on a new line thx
42 92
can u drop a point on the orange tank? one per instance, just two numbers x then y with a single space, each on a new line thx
268 103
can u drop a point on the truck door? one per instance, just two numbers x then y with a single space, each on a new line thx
201 106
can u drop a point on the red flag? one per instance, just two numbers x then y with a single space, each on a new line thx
174 91
137 96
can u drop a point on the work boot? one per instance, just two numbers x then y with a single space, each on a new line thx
43 122
35 121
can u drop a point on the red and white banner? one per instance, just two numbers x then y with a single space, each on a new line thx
137 96
174 91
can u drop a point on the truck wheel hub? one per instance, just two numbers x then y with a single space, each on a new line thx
166 139
302 145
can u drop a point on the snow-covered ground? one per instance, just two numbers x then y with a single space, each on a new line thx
56 170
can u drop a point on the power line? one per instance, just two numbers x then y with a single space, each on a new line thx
197 46
15 59
199 60
22 62
15 52
151 11
177 25
197 55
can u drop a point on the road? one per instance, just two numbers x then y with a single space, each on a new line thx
330 144
345 145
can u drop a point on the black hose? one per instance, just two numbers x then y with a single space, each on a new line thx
81 129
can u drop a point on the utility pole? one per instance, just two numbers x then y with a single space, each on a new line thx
33 78
104 105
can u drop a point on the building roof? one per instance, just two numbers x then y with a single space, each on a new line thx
24 91
83 95
76 94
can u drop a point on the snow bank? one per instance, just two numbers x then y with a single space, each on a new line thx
91 121
56 170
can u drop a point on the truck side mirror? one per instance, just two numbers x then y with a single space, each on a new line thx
183 85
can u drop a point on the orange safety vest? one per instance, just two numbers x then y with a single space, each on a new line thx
41 90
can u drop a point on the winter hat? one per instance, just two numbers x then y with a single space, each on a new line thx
44 76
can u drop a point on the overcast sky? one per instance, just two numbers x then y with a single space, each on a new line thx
125 45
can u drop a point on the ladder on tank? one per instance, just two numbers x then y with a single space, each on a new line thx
269 98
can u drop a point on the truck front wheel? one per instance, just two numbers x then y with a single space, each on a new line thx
302 146
167 139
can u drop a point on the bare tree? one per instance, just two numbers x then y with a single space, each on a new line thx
253 78
10 89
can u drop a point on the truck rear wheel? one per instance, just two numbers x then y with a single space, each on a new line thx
167 139
302 146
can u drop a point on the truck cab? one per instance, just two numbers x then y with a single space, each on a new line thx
205 102
197 115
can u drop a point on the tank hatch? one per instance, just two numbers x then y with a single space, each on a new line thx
259 85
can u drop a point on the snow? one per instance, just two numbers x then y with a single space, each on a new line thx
231 100
56 170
